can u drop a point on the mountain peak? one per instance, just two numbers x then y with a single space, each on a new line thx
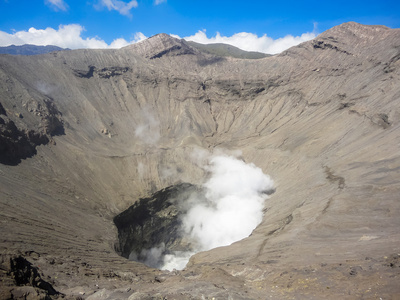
353 30
353 38
160 45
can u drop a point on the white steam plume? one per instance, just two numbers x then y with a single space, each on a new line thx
235 191
148 131
231 210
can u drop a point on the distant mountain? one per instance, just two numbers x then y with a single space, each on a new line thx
29 49
220 49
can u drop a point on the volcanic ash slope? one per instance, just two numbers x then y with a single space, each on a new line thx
86 133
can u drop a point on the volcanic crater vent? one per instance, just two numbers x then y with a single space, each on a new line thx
152 227
164 230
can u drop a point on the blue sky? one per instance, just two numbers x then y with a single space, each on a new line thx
129 21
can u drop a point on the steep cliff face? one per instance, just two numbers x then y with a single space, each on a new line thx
154 222
322 119
19 139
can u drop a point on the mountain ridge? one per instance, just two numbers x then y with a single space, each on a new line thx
29 49
220 49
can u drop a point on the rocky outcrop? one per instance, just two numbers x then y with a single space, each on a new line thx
103 73
23 280
154 221
17 144
20 143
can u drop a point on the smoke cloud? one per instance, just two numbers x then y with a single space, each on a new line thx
148 131
235 191
230 210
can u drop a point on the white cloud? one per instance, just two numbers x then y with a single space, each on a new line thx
67 36
119 43
251 42
57 4
70 36
157 2
122 7
139 37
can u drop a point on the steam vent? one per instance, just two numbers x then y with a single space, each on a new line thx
267 178
154 223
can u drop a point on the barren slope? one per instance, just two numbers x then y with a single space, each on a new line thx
322 119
